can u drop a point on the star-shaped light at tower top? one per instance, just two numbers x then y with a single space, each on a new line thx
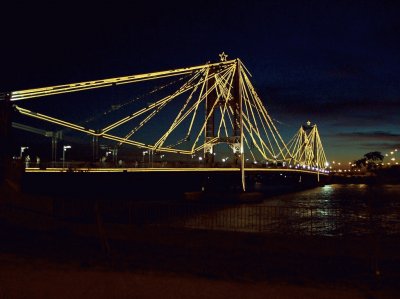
308 123
223 56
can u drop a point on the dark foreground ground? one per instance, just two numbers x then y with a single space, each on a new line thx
88 260
166 263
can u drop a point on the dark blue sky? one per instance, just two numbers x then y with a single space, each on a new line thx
335 63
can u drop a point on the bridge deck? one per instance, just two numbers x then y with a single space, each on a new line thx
187 169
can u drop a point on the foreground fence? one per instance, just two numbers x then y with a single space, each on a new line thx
239 218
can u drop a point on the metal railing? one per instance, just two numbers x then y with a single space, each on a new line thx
246 218
74 165
237 218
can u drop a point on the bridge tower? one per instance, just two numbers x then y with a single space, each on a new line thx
235 141
306 147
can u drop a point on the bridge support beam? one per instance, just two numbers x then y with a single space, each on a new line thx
238 121
55 136
95 148
235 141
54 143
211 98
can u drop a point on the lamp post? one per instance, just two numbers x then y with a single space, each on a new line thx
144 153
23 148
65 147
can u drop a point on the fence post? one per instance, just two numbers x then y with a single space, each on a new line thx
312 222
101 231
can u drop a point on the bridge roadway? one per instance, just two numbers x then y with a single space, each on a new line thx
140 182
175 169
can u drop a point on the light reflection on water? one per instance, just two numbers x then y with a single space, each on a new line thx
330 210
353 196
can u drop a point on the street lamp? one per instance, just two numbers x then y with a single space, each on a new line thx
144 153
65 147
23 148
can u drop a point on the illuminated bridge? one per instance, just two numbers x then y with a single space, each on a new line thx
209 118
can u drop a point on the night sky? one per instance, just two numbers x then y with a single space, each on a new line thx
335 63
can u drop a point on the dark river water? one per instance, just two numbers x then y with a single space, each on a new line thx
333 210
358 197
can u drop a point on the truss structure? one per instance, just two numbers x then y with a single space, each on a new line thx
306 148
216 103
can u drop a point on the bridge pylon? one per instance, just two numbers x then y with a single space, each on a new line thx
213 103
306 148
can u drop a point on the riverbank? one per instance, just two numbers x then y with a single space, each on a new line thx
378 176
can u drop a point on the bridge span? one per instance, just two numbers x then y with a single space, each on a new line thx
164 169
193 111
165 183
